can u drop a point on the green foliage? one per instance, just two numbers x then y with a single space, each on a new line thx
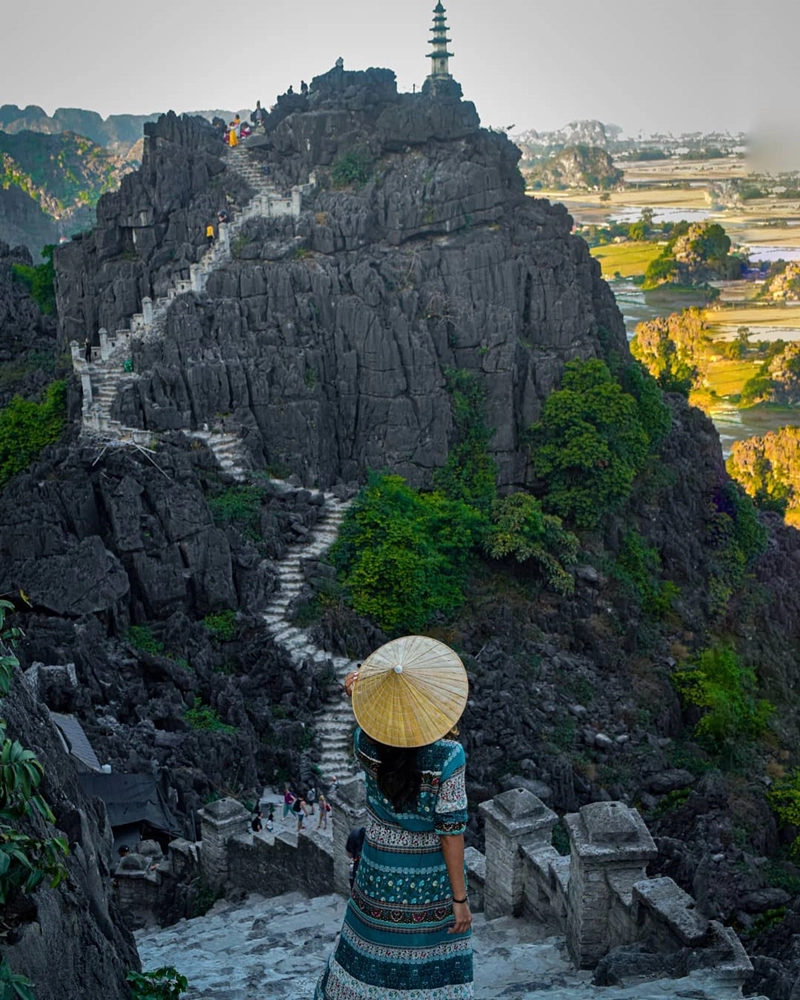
738 539
161 984
784 797
520 528
403 556
470 473
8 639
205 717
674 349
591 442
638 568
40 280
354 167
672 800
725 689
239 506
221 626
141 637
14 987
25 861
27 427
768 469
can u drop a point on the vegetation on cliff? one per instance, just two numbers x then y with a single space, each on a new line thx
27 856
39 280
595 436
768 468
575 167
27 427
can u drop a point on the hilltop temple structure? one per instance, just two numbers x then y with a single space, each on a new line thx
440 81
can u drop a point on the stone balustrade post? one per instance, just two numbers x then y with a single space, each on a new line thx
75 351
609 843
147 310
220 821
297 201
348 811
223 234
105 347
514 819
196 277
86 388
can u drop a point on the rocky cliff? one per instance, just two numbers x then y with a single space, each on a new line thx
328 338
70 941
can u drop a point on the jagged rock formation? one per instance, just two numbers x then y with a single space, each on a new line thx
327 327
70 941
576 167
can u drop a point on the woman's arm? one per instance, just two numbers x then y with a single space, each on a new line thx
453 852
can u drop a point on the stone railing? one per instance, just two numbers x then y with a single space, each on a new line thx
599 897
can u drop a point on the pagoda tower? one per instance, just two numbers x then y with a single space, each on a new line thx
440 67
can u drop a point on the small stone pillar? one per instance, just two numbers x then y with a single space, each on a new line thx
219 822
223 234
86 387
75 351
348 811
609 842
297 201
196 277
147 310
105 347
514 819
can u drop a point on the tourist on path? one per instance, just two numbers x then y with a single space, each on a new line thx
255 822
311 797
301 811
233 135
270 820
288 799
210 234
324 809
407 926
87 350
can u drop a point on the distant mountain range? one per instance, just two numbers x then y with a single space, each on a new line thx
54 168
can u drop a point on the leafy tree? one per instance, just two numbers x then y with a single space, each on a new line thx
354 167
470 473
403 556
589 444
40 280
27 427
520 529
725 690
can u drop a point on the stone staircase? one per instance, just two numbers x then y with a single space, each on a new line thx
277 948
334 723
102 377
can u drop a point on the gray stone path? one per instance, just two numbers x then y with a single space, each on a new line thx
276 948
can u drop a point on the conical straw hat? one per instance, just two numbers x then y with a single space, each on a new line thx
410 692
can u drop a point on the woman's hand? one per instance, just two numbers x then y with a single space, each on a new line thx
349 681
461 912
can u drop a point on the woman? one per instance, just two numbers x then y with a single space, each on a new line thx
406 933
288 800
324 809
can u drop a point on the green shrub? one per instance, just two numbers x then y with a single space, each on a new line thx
725 690
221 626
40 280
403 556
141 637
161 984
205 717
738 538
590 443
239 506
520 528
638 569
470 473
354 167
27 427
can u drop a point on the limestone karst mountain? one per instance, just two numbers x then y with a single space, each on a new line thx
375 242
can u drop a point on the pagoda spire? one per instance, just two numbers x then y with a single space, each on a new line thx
440 66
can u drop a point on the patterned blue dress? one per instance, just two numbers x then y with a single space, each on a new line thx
394 943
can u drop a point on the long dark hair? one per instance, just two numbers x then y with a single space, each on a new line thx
399 777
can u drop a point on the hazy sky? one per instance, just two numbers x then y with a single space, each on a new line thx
679 65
